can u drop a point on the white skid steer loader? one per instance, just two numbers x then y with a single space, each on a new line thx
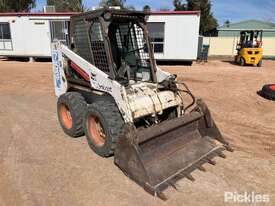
109 87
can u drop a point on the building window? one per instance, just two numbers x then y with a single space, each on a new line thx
59 31
5 36
5 31
156 32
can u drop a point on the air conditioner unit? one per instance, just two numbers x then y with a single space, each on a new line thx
49 9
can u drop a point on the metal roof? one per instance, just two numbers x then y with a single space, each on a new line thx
249 24
175 12
223 29
38 14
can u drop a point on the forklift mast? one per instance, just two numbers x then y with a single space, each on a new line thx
250 39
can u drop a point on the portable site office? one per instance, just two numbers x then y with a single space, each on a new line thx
174 34
31 34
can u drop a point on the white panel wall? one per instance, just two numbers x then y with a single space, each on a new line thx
30 36
1 46
181 36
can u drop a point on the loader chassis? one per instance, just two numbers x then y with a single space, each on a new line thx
110 89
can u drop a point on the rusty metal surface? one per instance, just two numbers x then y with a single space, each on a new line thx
165 127
157 157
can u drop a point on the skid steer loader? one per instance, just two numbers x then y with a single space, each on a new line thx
109 87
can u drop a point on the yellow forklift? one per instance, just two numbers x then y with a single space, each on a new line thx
249 48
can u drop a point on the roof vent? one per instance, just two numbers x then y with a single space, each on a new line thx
115 7
49 9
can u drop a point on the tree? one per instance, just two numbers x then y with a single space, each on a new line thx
2 6
120 3
208 21
227 23
108 3
16 5
164 9
67 5
179 6
147 8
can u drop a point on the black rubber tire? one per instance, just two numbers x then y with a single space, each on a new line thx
76 105
236 59
112 123
242 61
267 92
260 63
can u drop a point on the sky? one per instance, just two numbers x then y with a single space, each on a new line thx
232 10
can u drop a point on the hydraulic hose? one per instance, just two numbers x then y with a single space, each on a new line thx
187 91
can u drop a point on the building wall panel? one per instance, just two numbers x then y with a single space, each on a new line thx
226 46
181 36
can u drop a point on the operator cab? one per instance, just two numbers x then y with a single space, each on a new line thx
250 39
118 44
129 48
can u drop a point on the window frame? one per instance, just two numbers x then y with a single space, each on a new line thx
157 42
65 26
4 41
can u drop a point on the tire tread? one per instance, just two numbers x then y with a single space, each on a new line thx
115 123
268 93
77 104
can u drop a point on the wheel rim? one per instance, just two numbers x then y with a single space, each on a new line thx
272 87
96 131
66 116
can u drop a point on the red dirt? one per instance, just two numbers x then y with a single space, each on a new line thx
40 165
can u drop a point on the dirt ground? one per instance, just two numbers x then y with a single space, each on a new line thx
41 166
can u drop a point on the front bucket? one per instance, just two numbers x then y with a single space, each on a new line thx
160 155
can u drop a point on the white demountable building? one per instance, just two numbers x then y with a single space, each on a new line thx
31 34
174 34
